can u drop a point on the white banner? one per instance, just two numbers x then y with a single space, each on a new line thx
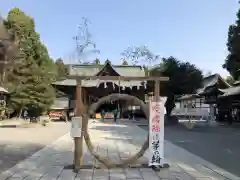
76 127
156 131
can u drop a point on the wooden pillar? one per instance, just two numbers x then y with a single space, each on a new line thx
78 141
79 103
156 90
84 94
118 101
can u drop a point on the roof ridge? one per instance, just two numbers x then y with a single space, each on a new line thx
100 65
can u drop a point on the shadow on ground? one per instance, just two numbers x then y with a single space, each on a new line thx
219 145
202 143
12 154
49 163
120 130
16 144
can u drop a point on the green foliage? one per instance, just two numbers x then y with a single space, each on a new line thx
230 80
124 62
8 48
62 72
232 62
184 78
30 77
96 62
62 69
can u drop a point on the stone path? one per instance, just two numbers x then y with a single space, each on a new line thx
117 142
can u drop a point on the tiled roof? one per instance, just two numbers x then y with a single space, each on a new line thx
91 70
188 97
207 84
231 91
211 81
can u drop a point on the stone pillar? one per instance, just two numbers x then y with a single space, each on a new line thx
212 121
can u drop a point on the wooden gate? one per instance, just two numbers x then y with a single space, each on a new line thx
83 110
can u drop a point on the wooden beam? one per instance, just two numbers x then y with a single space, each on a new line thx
79 102
156 91
121 78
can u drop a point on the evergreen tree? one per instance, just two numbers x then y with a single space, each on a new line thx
124 62
230 80
30 77
96 61
184 78
62 69
232 62
8 49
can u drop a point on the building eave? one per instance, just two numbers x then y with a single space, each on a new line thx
95 83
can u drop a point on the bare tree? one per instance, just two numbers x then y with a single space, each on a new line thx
139 55
84 44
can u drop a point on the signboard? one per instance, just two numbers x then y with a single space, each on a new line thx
56 114
76 127
60 103
108 115
156 132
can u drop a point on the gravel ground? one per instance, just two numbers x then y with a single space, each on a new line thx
17 144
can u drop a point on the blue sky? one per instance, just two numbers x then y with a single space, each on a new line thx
190 30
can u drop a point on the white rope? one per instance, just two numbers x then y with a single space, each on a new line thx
98 83
113 84
105 84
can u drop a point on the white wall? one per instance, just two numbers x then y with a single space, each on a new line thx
60 103
198 102
177 105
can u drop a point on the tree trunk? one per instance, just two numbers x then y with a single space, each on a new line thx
169 105
20 112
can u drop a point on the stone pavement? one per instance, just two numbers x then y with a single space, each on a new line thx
117 141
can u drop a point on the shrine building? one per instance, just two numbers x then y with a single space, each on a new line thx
92 90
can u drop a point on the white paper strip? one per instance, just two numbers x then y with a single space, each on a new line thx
113 84
156 131
76 127
98 83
